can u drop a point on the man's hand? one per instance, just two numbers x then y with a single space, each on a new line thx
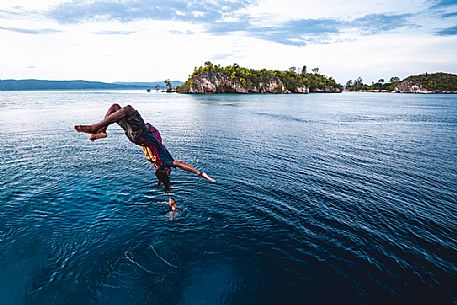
205 175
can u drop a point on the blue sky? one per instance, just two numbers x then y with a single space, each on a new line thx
149 40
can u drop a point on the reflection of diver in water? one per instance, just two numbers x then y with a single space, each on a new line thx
172 203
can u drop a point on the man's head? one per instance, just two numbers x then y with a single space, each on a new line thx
163 174
172 203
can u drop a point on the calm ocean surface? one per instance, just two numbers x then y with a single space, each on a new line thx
321 199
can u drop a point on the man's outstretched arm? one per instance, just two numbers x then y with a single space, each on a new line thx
189 168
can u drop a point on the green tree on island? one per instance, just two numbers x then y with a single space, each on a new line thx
380 85
394 79
168 85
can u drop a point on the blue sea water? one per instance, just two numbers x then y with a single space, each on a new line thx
321 199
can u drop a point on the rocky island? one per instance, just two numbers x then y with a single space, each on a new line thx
211 78
428 83
422 83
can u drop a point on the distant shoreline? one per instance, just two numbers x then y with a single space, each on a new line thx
395 92
163 91
427 83
436 83
63 90
50 85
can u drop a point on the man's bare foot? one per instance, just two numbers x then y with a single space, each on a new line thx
97 136
205 175
85 128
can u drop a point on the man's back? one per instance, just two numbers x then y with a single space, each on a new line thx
155 132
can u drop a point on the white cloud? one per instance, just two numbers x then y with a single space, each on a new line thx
272 10
148 50
29 4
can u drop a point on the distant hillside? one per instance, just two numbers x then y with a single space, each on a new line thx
422 83
429 83
151 85
211 78
34 84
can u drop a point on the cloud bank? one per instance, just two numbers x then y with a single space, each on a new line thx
123 37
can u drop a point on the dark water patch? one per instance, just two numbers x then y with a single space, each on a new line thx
284 117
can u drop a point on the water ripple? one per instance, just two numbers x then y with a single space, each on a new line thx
328 199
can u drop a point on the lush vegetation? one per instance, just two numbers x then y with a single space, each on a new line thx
435 82
380 85
250 78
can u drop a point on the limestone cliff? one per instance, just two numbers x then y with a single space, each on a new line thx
218 82
407 86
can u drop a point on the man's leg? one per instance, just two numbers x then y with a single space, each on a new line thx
101 133
108 120
188 168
